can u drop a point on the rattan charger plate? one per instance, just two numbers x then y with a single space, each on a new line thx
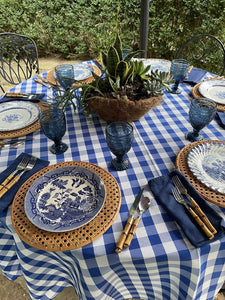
197 94
26 130
63 241
51 79
181 164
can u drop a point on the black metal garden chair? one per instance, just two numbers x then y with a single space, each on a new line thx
204 51
18 58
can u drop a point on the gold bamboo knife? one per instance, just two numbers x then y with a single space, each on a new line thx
129 223
178 184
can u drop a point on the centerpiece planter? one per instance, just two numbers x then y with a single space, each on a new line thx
112 110
125 91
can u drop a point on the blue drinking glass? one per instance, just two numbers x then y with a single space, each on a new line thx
65 75
119 138
178 71
53 124
201 113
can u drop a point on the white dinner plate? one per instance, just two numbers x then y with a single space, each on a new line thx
81 71
17 114
207 162
64 199
160 64
213 89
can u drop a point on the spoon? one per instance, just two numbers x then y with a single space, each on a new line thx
143 206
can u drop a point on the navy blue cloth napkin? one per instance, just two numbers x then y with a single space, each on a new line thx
162 186
7 99
221 118
7 198
195 76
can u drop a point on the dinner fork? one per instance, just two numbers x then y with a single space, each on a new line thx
183 191
28 167
179 198
23 163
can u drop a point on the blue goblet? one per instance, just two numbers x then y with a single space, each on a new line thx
65 75
178 71
53 124
119 138
201 113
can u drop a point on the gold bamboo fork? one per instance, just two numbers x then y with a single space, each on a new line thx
183 191
28 167
23 163
179 198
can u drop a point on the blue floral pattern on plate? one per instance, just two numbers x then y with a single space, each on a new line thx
160 64
207 162
17 114
65 199
213 89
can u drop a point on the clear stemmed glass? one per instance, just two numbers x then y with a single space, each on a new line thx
53 124
201 113
65 75
178 71
119 138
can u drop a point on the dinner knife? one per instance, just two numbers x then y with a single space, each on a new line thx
21 95
129 223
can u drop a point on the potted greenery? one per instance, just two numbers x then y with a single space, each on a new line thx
126 90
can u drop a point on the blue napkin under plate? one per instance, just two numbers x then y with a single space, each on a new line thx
161 188
38 97
195 76
7 198
221 118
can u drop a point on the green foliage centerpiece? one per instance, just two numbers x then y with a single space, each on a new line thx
127 89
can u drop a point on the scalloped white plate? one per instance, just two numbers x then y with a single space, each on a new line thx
17 114
213 89
160 64
207 162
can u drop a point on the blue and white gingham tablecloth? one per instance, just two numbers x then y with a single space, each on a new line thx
160 263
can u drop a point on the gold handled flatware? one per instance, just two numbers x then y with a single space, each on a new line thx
143 206
16 178
183 191
179 198
129 223
22 165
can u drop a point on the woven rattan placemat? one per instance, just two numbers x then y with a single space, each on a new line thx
62 241
197 94
181 164
26 130
51 79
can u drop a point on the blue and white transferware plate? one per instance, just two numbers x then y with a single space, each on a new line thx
17 114
81 71
65 199
160 64
207 162
213 89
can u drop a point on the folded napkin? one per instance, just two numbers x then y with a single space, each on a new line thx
7 198
221 118
162 186
38 97
195 76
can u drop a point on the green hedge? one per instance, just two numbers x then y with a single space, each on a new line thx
84 27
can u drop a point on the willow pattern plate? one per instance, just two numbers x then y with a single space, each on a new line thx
207 162
17 114
213 89
65 199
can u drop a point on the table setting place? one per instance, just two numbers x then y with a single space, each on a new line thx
72 182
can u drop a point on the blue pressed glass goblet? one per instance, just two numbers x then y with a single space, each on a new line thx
119 138
178 71
53 124
65 75
201 113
